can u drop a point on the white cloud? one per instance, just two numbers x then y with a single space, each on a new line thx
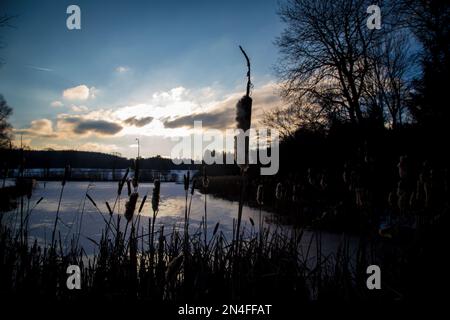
39 128
75 108
122 69
172 103
57 104
181 102
81 92
93 92
161 107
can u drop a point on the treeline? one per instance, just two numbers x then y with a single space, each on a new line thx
13 158
355 94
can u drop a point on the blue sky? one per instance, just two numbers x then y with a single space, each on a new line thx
142 60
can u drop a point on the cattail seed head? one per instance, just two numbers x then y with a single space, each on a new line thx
216 228
174 267
39 201
155 195
244 113
29 189
136 173
186 181
130 206
296 193
120 187
109 208
403 167
243 122
129 187
205 180
260 195
135 182
194 184
91 200
142 203
66 175
122 182
279 191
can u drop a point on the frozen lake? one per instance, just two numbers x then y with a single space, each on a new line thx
171 213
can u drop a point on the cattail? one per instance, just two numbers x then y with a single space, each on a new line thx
136 173
122 182
360 197
402 201
129 187
142 203
124 178
205 180
402 167
134 182
311 177
29 189
279 191
243 121
260 195
392 199
39 201
244 117
66 175
413 200
215 229
174 267
244 113
295 191
186 181
130 206
194 183
91 200
346 174
120 187
323 181
109 208
155 195
251 221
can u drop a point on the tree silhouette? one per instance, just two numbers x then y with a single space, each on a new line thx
429 20
5 126
326 48
4 22
334 68
387 86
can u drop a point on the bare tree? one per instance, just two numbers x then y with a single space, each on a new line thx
429 21
4 22
5 109
326 50
287 119
5 126
387 85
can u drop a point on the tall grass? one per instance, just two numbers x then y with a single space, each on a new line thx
180 264
169 266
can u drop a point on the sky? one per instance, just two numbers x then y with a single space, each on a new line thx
135 69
